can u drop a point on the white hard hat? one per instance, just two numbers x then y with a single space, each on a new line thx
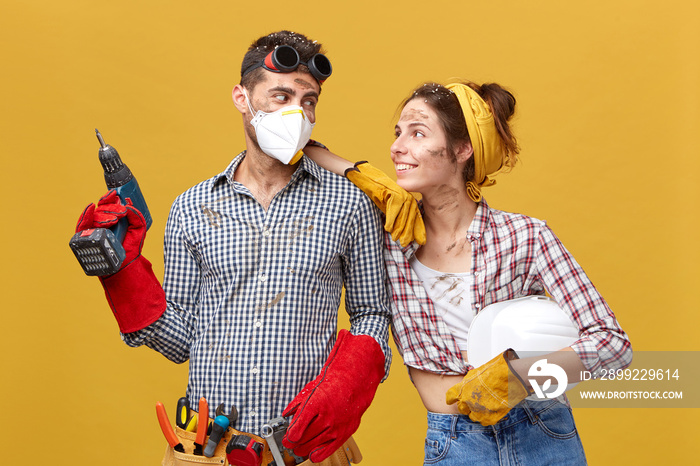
532 326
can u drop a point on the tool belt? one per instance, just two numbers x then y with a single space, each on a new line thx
348 453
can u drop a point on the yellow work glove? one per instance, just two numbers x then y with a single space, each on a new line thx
403 218
488 392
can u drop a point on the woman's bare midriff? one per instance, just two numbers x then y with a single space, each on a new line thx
433 387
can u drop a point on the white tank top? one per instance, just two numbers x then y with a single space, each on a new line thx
450 293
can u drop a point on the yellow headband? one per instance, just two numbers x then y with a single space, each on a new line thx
489 153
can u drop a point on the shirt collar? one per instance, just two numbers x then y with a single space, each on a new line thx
307 166
480 222
310 167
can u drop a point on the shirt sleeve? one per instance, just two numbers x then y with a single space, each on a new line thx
602 342
172 334
366 296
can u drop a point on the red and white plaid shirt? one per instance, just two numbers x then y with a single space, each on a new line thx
512 256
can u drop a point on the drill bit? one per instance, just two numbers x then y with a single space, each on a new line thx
99 138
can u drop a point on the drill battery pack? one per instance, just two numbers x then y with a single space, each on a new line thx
98 251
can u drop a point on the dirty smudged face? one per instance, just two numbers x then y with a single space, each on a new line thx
280 90
420 153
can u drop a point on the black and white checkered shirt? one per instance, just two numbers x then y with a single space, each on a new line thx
253 295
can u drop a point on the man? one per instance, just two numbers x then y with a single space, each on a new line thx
255 261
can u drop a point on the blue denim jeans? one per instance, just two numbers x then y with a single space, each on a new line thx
533 433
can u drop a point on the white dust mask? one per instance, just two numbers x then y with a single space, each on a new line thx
283 133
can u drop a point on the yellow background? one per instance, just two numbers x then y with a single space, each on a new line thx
608 113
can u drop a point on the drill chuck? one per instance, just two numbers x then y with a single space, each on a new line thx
116 172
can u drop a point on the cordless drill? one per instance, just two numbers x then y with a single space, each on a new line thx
99 250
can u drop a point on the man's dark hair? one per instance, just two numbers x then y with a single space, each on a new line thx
259 49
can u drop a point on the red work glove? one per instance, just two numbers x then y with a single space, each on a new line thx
134 293
328 410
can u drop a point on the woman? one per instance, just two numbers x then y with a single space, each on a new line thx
450 142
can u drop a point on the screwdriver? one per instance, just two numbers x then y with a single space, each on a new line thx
182 418
218 430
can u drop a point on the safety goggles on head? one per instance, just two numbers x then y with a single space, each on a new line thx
285 59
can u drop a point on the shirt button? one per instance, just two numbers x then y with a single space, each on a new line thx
266 233
263 277
252 413
258 324
255 370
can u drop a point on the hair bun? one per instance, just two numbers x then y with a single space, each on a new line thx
502 104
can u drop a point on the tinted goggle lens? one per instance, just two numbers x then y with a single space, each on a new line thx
284 58
320 67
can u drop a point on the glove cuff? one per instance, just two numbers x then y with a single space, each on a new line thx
135 295
354 168
510 355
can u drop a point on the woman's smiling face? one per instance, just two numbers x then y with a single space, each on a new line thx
420 154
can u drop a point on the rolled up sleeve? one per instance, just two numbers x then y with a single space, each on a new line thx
602 343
